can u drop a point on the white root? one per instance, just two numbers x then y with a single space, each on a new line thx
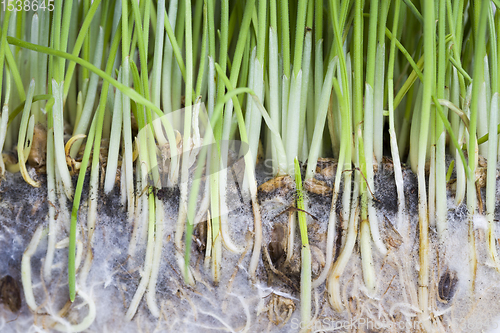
223 322
64 243
257 217
183 202
339 266
26 269
491 181
332 221
224 211
179 231
215 234
423 223
134 304
247 314
151 295
139 221
367 257
51 194
292 219
86 322
91 219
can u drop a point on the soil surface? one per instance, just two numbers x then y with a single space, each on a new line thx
271 302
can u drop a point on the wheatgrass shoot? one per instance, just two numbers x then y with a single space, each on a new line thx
478 78
493 142
423 222
106 81
398 174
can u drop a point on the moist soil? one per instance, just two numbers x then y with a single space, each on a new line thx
271 302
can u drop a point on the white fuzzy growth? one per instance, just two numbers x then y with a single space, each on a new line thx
480 222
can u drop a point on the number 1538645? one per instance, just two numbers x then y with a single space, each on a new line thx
27 5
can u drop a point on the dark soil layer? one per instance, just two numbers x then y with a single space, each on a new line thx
236 303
